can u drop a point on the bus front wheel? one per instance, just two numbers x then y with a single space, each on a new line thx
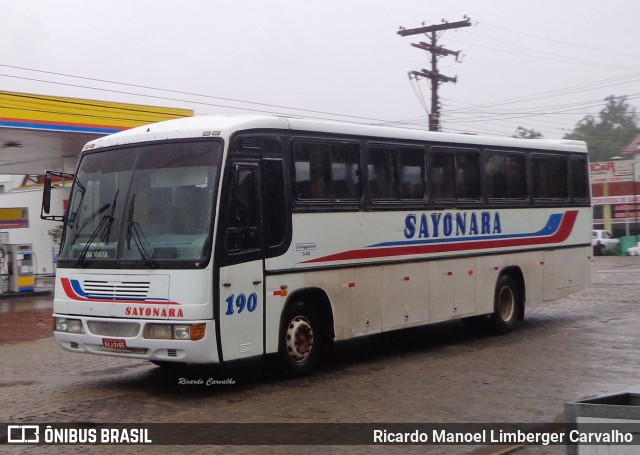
300 340
507 305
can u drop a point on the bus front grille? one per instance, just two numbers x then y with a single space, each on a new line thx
117 289
114 329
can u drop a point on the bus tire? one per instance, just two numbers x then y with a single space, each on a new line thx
300 340
507 305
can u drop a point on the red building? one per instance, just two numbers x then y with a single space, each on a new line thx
615 188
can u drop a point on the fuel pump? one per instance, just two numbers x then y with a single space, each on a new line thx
19 259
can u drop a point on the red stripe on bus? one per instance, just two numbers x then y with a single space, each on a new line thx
72 294
566 226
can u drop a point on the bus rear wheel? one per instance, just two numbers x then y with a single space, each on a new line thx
507 305
300 340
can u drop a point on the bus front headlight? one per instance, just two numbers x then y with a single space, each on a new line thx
181 332
191 332
157 331
68 325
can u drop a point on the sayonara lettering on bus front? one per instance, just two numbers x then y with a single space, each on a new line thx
434 225
154 312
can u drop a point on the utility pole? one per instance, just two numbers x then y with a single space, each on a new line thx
433 75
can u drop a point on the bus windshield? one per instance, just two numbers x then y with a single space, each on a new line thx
146 205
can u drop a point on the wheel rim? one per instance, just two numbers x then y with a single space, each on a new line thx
506 304
299 339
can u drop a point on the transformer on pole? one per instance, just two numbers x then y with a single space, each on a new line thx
433 75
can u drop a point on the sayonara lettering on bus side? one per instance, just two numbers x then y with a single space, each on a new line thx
154 312
436 224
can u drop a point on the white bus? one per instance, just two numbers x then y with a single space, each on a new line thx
211 239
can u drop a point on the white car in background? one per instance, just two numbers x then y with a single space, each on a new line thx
603 242
634 250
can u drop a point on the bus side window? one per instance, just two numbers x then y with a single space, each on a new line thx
443 176
506 176
311 172
411 182
243 215
549 177
468 176
395 172
275 210
326 171
496 176
455 174
579 178
345 172
381 173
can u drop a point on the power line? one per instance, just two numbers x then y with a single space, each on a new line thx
567 90
563 59
178 92
566 109
526 112
416 89
546 38
569 59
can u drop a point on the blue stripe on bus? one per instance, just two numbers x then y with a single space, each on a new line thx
550 228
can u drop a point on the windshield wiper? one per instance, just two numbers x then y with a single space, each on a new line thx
135 231
105 223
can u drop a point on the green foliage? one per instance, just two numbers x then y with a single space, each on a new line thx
56 234
524 133
609 133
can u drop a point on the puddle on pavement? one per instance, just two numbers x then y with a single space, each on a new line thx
18 305
113 370
15 383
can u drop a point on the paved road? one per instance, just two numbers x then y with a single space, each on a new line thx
578 347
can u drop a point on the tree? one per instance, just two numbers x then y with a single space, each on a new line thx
55 234
609 133
524 133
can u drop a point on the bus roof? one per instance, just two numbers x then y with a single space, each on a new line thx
225 126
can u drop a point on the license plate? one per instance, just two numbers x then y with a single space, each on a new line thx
114 343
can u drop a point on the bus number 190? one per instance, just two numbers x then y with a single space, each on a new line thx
242 303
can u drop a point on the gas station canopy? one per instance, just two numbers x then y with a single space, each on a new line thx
39 132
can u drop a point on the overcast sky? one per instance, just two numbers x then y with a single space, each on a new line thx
540 64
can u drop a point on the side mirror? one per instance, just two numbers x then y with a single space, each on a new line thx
46 195
49 178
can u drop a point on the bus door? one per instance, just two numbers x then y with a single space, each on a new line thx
241 279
